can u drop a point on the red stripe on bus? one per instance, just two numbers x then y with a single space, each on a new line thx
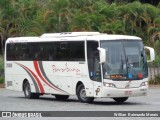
36 78
40 75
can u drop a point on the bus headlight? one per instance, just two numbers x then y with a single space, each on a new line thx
109 84
144 83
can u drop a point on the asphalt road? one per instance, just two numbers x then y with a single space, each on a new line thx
15 101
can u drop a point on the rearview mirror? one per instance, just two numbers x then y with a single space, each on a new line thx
152 53
102 54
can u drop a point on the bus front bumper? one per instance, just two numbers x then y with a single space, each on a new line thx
129 92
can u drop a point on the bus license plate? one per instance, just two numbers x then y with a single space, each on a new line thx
128 92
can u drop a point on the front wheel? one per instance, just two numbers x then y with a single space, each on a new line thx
121 99
81 94
27 91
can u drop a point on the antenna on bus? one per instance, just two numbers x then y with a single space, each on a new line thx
68 34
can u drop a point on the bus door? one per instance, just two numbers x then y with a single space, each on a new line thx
94 67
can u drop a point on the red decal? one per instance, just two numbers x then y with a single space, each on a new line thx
38 81
66 69
40 75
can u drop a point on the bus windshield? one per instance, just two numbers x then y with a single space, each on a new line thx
125 60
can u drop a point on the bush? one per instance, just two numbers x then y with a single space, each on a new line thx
155 81
1 63
1 80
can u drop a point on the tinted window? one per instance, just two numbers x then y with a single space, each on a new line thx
46 51
93 61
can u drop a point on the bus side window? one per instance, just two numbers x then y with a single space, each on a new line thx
77 47
10 51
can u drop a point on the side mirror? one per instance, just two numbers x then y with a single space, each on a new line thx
152 53
102 54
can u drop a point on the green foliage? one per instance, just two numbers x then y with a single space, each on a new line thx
1 80
1 70
155 81
1 63
35 17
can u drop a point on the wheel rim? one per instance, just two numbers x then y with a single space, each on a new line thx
83 94
27 90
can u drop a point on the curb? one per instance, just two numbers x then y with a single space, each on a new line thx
2 86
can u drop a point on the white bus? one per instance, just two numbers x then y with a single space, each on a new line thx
87 64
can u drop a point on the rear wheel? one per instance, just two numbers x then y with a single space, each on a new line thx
121 99
81 94
27 91
62 97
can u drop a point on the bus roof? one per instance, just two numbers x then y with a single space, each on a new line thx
96 36
68 34
113 37
101 36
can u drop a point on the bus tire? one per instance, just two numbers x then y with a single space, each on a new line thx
27 91
62 97
81 94
120 99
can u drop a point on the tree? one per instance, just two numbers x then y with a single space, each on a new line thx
7 21
33 18
153 2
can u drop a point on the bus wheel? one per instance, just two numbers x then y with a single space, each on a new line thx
62 97
81 94
121 99
28 93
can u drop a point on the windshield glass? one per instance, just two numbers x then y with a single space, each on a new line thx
125 59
